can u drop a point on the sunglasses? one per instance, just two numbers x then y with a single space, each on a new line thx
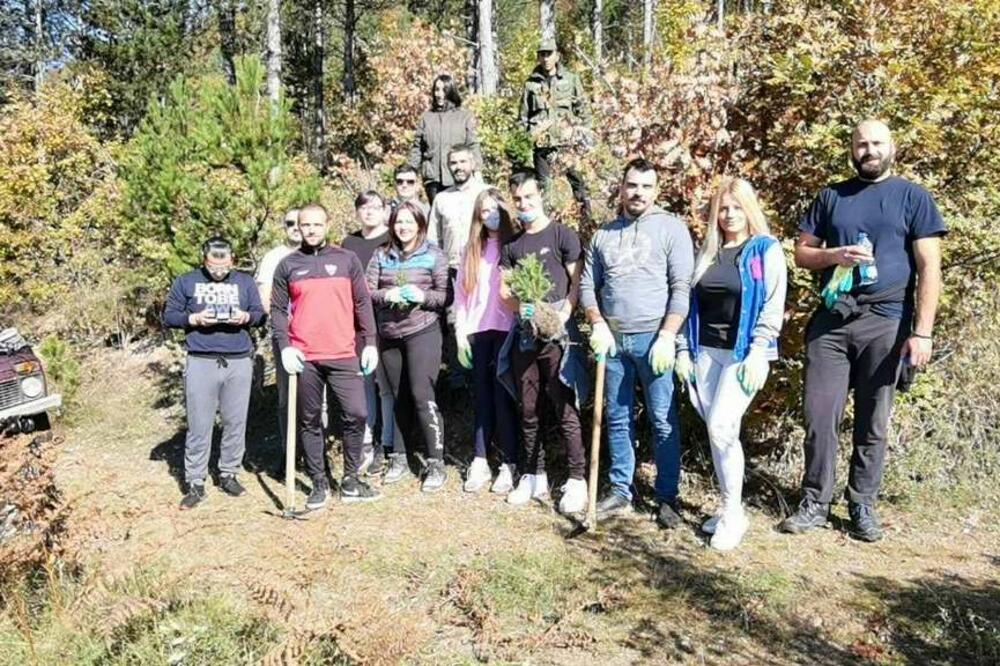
290 223
406 181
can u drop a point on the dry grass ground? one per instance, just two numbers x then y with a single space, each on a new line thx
452 578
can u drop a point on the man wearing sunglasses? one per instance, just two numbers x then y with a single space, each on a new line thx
265 279
407 189
216 306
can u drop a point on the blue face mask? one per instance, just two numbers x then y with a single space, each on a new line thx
492 221
527 217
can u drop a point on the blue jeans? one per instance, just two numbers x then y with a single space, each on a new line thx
630 362
380 402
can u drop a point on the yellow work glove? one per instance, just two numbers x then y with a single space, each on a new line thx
661 355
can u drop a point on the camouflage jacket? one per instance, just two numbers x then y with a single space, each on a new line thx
552 106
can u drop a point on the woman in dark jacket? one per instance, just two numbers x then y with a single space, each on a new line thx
447 124
408 279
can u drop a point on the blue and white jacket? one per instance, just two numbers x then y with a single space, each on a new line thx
764 278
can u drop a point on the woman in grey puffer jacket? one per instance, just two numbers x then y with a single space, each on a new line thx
408 280
447 124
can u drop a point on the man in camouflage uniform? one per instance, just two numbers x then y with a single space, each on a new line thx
552 105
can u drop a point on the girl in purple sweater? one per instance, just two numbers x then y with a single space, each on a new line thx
482 321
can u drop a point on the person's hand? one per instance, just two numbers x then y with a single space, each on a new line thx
661 354
412 293
684 367
851 255
293 360
394 296
752 373
238 317
464 352
918 350
602 340
369 360
202 318
526 311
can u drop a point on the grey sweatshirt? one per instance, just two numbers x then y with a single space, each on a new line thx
638 271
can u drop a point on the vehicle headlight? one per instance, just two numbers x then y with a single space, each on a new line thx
32 387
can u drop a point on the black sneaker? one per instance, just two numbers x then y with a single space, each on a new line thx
810 515
399 468
195 494
353 490
865 524
668 515
319 495
435 476
612 505
229 485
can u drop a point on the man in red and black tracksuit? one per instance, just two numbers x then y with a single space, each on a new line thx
329 306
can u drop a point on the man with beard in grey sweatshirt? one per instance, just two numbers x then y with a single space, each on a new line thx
635 291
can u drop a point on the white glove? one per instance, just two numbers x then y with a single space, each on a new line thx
464 352
684 367
293 360
661 354
752 373
602 341
369 360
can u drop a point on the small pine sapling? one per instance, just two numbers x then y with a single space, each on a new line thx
530 283
400 281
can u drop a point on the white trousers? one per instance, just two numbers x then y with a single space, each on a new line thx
721 401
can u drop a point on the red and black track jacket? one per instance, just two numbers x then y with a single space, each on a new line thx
330 304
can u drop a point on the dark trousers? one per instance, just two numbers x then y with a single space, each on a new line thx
344 381
431 189
494 406
537 371
417 360
543 165
862 353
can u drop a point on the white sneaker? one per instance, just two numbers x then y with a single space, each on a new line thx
478 476
504 482
708 527
367 458
730 529
529 487
574 498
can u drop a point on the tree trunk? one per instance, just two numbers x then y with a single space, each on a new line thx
548 18
598 27
720 12
39 47
647 32
274 51
470 16
487 74
227 37
350 23
319 110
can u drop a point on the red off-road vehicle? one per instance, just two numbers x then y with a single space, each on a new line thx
24 396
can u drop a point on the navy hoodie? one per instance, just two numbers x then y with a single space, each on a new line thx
196 290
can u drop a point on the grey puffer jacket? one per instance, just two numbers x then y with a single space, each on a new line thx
425 268
437 132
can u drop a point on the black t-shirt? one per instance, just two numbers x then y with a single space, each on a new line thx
364 247
894 213
719 292
556 246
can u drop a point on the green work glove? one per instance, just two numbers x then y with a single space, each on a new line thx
752 373
526 311
661 355
464 352
684 367
602 341
840 283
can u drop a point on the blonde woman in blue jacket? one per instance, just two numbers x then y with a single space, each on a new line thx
737 308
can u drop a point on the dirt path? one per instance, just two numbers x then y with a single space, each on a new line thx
450 578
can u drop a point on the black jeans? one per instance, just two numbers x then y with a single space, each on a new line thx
862 352
417 360
536 371
431 189
343 378
543 165
494 407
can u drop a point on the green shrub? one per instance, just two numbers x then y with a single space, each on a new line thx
60 366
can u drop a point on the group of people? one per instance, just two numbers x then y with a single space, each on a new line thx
366 323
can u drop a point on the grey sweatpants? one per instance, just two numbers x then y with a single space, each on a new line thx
212 384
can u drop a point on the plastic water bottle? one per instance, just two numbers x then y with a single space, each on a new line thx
867 270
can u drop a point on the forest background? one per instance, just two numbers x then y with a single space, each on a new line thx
132 129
